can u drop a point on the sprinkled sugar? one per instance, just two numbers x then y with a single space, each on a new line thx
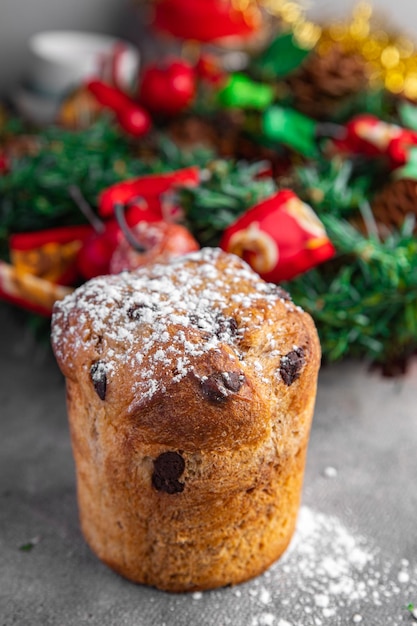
327 577
163 319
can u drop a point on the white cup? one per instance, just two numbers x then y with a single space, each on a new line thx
60 60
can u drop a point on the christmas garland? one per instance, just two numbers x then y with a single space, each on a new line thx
240 157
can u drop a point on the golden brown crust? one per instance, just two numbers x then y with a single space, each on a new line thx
191 389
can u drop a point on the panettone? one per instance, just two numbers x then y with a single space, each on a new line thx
190 390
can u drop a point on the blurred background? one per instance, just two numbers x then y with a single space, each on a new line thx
20 19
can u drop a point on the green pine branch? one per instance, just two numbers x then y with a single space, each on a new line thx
364 302
227 191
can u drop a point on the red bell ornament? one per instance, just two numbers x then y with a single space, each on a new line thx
279 238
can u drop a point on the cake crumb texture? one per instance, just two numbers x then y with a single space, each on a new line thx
190 392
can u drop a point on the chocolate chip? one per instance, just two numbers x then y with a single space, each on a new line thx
226 325
168 467
195 320
216 387
213 389
291 365
135 311
98 375
233 380
201 324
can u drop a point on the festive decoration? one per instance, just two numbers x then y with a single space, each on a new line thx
370 136
49 254
394 203
146 192
28 291
205 20
281 57
325 82
226 191
390 56
288 127
367 305
280 237
167 88
304 162
131 117
142 200
151 242
242 92
93 258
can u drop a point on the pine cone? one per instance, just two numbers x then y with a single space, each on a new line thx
191 131
220 133
325 81
393 203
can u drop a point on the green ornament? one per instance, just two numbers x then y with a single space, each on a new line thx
409 170
292 129
408 115
243 93
281 57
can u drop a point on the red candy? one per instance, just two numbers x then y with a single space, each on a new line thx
145 192
280 237
370 136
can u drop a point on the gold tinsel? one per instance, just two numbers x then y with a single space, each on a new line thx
391 56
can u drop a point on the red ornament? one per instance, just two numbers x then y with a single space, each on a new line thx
160 241
279 238
205 20
94 257
370 136
399 147
168 88
145 192
143 201
49 254
367 135
209 70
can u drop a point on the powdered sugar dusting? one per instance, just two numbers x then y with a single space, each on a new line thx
163 318
329 576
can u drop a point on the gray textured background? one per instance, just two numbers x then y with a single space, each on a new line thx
365 427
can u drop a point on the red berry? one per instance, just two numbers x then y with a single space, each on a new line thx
94 257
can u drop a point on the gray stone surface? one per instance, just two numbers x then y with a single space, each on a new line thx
353 559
